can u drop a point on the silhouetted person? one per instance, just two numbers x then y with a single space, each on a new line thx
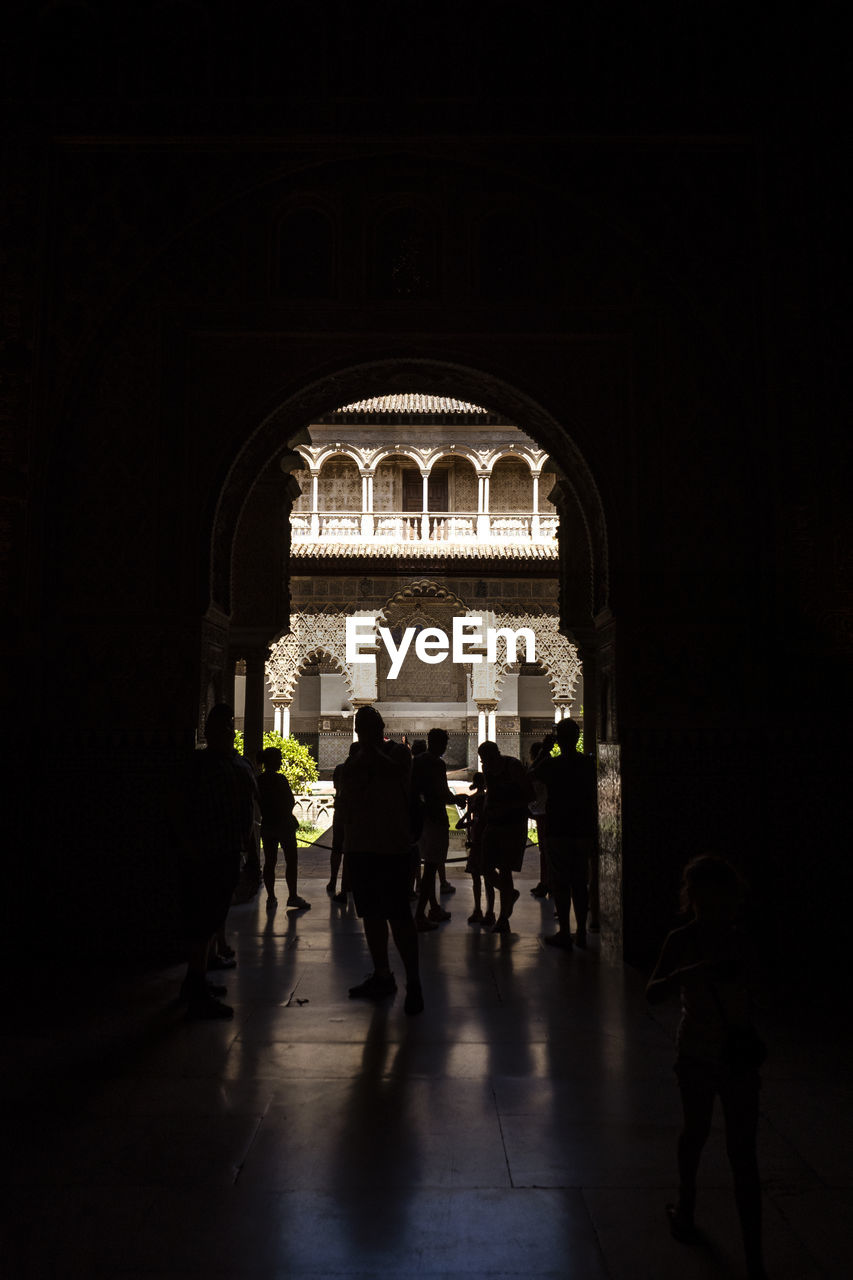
373 803
419 746
719 1054
571 816
537 810
509 791
278 827
429 780
473 823
337 851
218 811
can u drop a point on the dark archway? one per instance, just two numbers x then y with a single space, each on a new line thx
584 558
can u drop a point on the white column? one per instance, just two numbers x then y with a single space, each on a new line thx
492 729
285 721
425 508
315 501
483 509
534 524
277 710
366 506
558 715
481 725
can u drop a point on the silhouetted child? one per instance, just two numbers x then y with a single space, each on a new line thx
472 822
278 827
429 780
719 1053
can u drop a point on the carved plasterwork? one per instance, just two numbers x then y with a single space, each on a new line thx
312 635
425 589
557 655
323 634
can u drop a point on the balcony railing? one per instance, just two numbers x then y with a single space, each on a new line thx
433 526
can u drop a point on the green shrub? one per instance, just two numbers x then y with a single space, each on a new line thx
297 763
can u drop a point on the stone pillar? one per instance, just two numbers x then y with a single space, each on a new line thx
483 525
425 507
282 719
481 724
534 523
492 729
366 505
315 505
253 715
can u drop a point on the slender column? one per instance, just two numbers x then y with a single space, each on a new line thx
492 727
481 724
253 715
483 528
425 507
315 505
282 719
366 506
534 524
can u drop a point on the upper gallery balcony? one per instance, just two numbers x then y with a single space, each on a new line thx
427 482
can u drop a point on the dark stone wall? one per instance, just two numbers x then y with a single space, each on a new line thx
647 280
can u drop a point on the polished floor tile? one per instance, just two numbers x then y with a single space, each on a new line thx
523 1126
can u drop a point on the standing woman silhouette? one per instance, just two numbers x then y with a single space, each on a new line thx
719 1053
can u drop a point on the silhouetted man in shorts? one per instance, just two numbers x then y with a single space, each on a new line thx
373 809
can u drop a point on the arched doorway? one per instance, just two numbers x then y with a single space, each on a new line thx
268 459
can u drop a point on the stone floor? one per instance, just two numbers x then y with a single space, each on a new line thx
523 1126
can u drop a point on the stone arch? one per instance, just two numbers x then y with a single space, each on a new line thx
340 488
557 655
464 477
518 452
311 635
424 589
511 481
332 451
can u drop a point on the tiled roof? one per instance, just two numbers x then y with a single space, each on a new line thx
415 550
410 402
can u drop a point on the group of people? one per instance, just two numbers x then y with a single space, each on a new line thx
391 832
